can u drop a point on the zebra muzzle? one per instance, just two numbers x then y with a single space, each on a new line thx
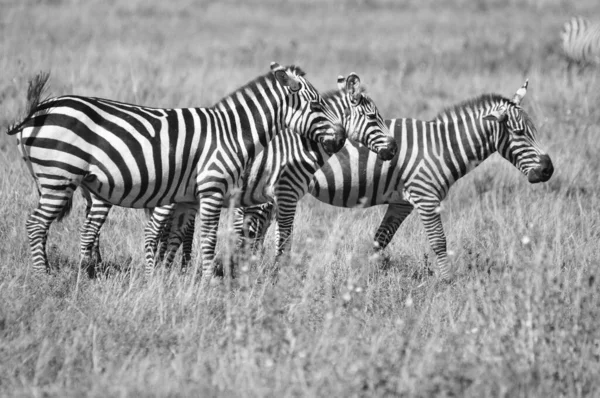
543 172
388 150
334 140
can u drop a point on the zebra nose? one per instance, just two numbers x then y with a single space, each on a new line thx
388 151
546 167
335 140
543 172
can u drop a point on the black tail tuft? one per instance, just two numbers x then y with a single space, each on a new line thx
36 88
66 209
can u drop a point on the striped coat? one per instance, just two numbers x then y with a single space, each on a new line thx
581 41
136 156
432 156
289 157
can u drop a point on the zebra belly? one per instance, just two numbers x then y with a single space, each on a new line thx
355 177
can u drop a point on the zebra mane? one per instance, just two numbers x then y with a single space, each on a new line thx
295 70
332 93
476 103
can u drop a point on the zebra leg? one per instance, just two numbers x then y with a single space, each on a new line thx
437 239
263 216
251 224
180 229
53 204
96 214
188 240
152 232
394 216
210 213
163 241
285 213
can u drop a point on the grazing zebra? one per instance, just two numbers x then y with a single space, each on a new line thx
135 156
581 42
280 174
432 156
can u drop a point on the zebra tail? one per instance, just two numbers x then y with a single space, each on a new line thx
65 210
36 88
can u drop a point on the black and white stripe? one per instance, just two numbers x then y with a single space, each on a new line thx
281 174
432 156
581 41
136 156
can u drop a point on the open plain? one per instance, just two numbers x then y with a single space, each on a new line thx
521 317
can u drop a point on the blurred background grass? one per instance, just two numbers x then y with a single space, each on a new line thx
521 319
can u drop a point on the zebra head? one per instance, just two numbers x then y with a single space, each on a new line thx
362 120
306 113
516 141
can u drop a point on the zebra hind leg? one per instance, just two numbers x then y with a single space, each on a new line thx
251 224
188 241
179 230
96 214
53 204
394 217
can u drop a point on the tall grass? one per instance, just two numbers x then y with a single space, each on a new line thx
521 318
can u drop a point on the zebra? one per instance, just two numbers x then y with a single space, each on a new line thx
581 42
288 155
432 156
137 156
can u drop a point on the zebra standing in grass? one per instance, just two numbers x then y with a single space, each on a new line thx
135 156
280 174
432 156
581 42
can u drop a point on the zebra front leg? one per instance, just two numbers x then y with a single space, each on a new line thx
432 222
285 213
152 232
394 217
210 213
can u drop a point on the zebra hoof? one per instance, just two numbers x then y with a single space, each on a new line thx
446 277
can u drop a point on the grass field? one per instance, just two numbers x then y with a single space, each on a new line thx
521 318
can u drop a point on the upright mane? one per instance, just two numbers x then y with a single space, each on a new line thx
332 93
476 103
295 70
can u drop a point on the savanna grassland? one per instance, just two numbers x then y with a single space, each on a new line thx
520 319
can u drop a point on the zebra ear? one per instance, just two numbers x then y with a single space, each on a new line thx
285 78
520 93
498 115
341 82
353 88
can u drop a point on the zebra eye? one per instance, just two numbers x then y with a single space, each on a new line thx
519 131
315 106
372 115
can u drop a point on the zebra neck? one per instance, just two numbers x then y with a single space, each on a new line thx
466 141
250 120
313 155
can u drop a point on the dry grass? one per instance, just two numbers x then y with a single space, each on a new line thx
520 319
